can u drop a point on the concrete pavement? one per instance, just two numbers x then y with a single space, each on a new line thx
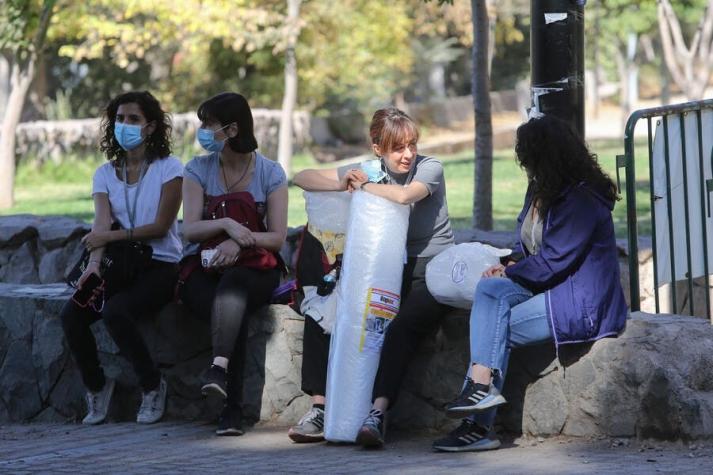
174 447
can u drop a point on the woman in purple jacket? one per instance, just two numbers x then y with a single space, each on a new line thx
565 288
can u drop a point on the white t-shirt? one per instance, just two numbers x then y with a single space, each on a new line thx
161 171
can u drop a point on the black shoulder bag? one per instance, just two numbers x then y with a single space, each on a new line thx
124 260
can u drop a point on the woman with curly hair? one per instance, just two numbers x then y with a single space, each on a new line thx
137 194
565 286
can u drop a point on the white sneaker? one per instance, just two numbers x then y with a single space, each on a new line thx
153 405
98 403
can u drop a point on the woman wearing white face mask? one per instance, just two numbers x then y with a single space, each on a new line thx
139 191
235 219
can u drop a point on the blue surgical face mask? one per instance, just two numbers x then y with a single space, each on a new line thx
206 137
373 170
128 135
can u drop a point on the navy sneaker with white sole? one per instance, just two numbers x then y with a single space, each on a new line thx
474 398
468 437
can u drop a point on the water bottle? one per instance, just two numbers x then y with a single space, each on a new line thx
329 281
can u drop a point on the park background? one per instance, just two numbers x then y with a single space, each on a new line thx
331 64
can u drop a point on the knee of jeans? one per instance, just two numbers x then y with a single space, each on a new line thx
490 287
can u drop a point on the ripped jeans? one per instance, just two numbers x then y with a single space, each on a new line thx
504 315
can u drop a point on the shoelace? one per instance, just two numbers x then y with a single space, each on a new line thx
152 397
92 400
374 418
313 413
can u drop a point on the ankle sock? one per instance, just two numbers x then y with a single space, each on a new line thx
318 406
221 361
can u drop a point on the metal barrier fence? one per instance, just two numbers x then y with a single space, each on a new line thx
695 162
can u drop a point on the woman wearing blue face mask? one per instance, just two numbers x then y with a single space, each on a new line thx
137 194
235 219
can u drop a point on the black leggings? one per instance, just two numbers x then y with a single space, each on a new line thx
419 315
151 290
226 300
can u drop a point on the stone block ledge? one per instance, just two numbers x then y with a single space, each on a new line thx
655 380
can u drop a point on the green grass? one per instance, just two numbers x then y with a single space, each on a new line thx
66 188
509 184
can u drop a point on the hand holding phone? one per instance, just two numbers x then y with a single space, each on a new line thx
90 287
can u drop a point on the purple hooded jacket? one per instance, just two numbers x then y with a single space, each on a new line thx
577 267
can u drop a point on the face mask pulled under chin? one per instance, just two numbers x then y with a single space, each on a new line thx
373 169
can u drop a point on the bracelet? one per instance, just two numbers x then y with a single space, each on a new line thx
129 234
361 187
95 261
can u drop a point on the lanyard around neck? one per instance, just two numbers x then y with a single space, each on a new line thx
129 210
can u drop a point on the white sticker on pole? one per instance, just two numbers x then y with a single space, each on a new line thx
554 17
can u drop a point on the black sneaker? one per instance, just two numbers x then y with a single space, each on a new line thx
468 437
373 430
230 422
215 382
473 398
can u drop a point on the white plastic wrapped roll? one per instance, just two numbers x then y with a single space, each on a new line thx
328 210
369 298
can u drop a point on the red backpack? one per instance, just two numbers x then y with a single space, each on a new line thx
240 207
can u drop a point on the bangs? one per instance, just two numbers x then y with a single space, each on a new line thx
206 112
397 132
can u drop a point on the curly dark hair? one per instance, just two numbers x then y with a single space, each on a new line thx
158 144
555 156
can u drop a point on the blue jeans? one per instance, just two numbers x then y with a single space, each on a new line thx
504 315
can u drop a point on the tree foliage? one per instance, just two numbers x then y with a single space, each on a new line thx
353 49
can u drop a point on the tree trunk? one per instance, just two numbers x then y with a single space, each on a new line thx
491 9
4 83
480 81
622 69
20 80
21 73
595 49
690 67
284 146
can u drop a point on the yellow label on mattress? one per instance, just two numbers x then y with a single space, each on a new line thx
381 307
333 243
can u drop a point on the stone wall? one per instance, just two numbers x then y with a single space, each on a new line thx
44 249
39 380
52 140
39 250
655 380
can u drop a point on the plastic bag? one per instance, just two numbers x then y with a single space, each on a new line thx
452 275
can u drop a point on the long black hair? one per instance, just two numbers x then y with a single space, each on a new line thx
555 156
227 108
158 144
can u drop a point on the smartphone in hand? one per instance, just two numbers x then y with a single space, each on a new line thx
83 296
